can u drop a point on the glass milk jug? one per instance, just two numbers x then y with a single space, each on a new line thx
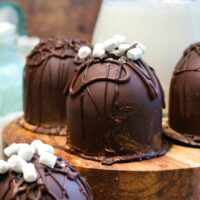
165 27
10 71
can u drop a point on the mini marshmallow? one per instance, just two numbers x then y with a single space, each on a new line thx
36 144
98 51
110 44
29 173
134 54
11 150
4 167
142 47
123 47
48 159
84 52
116 52
16 163
26 152
45 148
119 39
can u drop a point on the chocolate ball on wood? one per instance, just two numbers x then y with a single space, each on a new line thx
115 110
62 182
49 67
184 104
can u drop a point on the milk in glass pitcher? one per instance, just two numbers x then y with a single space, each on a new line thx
166 27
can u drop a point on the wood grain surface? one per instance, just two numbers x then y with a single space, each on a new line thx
175 176
60 18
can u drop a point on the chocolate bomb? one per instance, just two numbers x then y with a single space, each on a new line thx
115 111
60 183
184 104
49 67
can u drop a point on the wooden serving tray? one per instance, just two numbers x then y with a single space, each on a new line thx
175 176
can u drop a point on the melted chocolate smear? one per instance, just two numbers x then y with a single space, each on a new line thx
110 160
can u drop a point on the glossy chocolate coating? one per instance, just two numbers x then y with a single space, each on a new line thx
184 104
49 67
114 109
61 183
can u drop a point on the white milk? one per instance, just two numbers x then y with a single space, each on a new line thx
165 27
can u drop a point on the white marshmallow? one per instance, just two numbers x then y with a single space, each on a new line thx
124 47
99 46
135 43
98 51
116 52
142 47
4 167
119 39
36 144
45 148
84 52
134 54
16 163
110 44
11 150
26 152
48 159
29 173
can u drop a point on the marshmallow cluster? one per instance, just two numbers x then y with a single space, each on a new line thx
117 46
20 155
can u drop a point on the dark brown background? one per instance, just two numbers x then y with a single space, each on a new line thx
60 17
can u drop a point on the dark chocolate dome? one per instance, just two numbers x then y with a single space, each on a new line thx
49 67
115 110
60 183
184 104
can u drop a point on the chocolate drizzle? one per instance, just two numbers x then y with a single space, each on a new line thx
105 97
49 67
53 47
140 67
185 94
183 65
60 183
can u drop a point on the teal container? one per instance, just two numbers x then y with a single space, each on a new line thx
11 69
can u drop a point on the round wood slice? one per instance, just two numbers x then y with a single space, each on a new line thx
171 177
14 132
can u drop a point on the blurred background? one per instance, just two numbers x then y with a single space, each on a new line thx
59 18
27 22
